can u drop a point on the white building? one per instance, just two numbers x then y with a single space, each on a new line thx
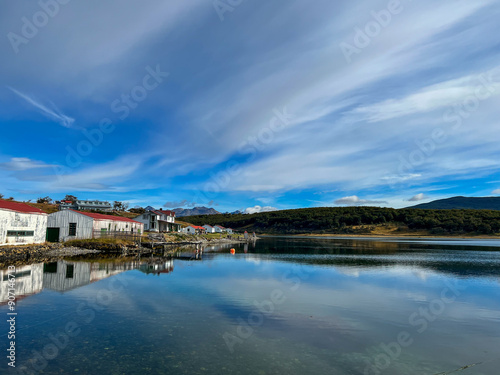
219 229
193 229
21 224
86 205
209 228
71 225
229 231
159 221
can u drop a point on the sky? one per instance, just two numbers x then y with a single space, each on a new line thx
250 105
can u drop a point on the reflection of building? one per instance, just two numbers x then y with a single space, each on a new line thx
21 224
60 276
157 268
29 280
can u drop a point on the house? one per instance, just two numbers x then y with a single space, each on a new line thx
219 229
21 224
159 220
209 228
229 231
70 225
193 229
86 205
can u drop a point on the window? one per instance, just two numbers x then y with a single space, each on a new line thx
72 229
20 233
70 270
50 267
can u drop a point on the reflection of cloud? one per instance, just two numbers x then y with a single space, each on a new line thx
354 272
355 200
54 113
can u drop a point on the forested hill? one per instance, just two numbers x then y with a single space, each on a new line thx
482 203
358 220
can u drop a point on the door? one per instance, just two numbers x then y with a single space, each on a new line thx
52 235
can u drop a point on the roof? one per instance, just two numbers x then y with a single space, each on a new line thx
206 225
161 212
19 207
197 227
106 217
220 226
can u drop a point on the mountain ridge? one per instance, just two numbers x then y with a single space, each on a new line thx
195 211
462 203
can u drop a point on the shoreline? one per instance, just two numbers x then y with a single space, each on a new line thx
16 255
386 236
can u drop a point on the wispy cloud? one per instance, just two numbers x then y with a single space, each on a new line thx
496 192
23 164
54 113
356 201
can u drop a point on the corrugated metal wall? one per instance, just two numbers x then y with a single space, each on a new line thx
10 220
62 219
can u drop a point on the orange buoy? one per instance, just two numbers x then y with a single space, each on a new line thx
233 251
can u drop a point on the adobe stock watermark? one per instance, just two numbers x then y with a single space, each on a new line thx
223 6
420 321
31 26
246 327
363 36
122 107
250 147
455 115
85 315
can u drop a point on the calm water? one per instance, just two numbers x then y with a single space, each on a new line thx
283 306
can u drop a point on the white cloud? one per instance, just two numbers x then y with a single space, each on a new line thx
354 200
23 164
441 95
496 192
257 209
418 197
54 114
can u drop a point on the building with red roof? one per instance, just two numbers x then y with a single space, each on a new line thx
70 224
21 224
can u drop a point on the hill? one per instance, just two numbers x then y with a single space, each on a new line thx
181 212
359 220
459 203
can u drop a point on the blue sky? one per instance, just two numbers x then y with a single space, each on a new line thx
281 104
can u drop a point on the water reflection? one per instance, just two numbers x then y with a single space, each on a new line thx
63 276
290 306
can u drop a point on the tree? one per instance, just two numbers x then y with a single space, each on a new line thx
71 198
44 200
1 196
120 206
137 210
